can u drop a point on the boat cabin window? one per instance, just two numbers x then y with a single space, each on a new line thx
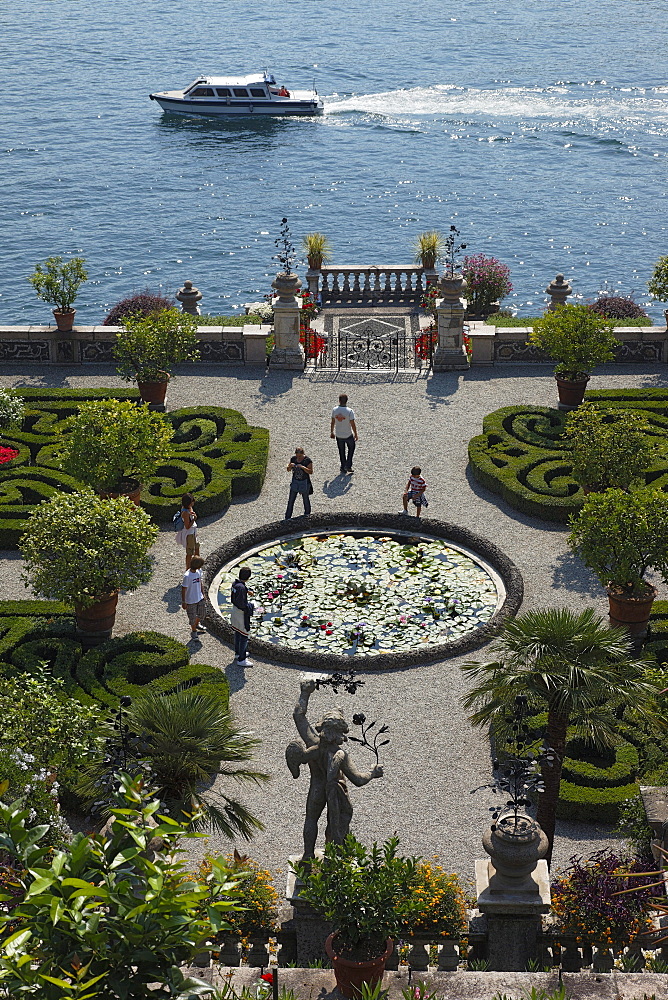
257 93
202 92
240 92
223 92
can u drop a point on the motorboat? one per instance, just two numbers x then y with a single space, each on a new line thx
225 96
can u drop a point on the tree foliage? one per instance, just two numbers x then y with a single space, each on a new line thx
112 440
148 347
78 547
610 448
58 283
110 914
576 338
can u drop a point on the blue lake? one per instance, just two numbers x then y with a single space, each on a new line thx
540 130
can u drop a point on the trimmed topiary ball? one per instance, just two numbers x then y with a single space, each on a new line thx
141 303
618 307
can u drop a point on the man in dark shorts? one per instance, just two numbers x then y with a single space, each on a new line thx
301 467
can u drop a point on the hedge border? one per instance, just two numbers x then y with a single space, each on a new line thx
316 523
500 462
104 669
216 455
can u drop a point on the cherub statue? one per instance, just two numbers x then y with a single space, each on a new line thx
330 765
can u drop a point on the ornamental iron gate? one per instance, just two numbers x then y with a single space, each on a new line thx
363 344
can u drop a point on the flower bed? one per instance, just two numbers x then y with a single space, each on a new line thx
433 629
524 456
34 634
214 455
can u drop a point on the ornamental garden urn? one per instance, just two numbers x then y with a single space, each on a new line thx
452 287
287 284
515 846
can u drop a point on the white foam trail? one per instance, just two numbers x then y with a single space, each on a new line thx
557 102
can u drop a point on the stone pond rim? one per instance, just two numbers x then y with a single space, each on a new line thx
319 523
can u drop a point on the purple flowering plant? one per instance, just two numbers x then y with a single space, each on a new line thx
487 280
587 901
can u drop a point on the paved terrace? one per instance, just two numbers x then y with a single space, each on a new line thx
435 758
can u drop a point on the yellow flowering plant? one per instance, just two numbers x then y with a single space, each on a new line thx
257 897
441 906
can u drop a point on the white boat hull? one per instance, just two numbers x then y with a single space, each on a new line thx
212 108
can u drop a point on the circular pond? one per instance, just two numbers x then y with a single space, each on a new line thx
377 589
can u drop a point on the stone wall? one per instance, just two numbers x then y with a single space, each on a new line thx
45 345
509 345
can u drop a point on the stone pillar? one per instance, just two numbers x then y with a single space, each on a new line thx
450 353
513 889
189 297
313 282
655 801
558 290
288 352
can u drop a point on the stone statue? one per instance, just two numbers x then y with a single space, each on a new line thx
330 765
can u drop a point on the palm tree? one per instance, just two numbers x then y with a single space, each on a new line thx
183 739
572 666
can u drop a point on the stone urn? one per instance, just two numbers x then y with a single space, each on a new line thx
287 286
452 287
515 847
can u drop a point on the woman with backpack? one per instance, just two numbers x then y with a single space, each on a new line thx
186 523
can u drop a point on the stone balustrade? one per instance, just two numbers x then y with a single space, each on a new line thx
352 284
93 344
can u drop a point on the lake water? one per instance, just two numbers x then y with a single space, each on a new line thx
540 130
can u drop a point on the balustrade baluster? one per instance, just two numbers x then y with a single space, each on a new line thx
571 959
366 291
356 286
336 291
375 294
345 291
419 287
448 957
603 960
387 288
418 958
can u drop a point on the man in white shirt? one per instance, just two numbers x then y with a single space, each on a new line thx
344 429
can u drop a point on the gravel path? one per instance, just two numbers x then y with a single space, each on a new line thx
435 758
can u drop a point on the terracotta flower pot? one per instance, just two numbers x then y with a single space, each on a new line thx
631 612
351 975
98 619
314 263
571 391
154 392
130 488
64 320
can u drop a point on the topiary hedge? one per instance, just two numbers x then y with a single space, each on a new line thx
524 456
215 455
34 633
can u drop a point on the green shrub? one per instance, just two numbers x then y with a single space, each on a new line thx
58 283
576 338
148 347
252 319
658 283
524 455
113 440
619 536
11 408
214 454
44 637
609 448
78 547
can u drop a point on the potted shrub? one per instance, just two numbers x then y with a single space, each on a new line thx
428 248
658 283
11 414
58 283
148 347
114 446
317 248
578 340
82 550
620 536
487 281
610 448
367 895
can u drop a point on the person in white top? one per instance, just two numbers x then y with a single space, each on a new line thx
344 429
192 599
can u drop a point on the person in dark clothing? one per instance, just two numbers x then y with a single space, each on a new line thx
242 610
301 467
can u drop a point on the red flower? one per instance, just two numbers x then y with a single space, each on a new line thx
268 977
7 454
329 631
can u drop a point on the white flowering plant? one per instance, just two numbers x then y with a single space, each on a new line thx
12 408
262 309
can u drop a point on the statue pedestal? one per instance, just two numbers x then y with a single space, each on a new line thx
450 353
311 930
288 352
513 917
